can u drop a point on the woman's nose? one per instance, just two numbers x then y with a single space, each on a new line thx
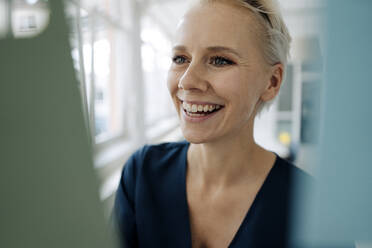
193 79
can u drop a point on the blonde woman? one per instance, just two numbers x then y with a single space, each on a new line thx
218 188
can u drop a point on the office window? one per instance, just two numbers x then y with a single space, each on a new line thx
99 43
156 59
23 19
108 91
4 18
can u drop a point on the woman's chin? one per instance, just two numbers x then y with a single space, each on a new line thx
194 137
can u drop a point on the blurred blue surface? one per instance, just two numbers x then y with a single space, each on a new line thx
342 208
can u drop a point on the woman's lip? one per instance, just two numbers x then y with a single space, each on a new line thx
200 102
196 119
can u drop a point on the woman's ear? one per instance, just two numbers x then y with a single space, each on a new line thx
275 81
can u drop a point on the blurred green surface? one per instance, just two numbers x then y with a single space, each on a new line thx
49 191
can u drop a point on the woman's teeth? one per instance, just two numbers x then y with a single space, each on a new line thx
195 108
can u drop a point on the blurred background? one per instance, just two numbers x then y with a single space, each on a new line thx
120 51
121 54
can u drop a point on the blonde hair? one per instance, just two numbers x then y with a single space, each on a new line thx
275 36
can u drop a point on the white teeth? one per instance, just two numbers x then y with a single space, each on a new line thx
205 109
194 108
195 115
188 107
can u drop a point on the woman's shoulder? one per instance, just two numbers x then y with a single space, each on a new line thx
151 158
164 148
286 167
160 152
287 176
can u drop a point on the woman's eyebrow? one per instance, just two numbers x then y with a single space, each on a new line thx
223 49
179 48
210 49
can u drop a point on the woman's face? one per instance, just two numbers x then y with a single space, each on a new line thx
218 74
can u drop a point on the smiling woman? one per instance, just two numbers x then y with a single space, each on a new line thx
218 188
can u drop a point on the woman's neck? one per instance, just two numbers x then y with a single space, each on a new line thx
228 161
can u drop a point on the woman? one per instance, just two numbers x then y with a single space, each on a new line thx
218 189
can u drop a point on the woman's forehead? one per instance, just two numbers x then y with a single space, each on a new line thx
217 25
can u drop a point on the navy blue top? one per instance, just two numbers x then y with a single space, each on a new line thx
151 208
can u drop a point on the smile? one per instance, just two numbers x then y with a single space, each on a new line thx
200 110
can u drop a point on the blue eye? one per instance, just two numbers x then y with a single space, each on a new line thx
179 60
220 61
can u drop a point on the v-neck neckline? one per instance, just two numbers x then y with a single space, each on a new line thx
249 212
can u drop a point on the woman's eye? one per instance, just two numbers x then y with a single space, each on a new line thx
179 60
220 61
